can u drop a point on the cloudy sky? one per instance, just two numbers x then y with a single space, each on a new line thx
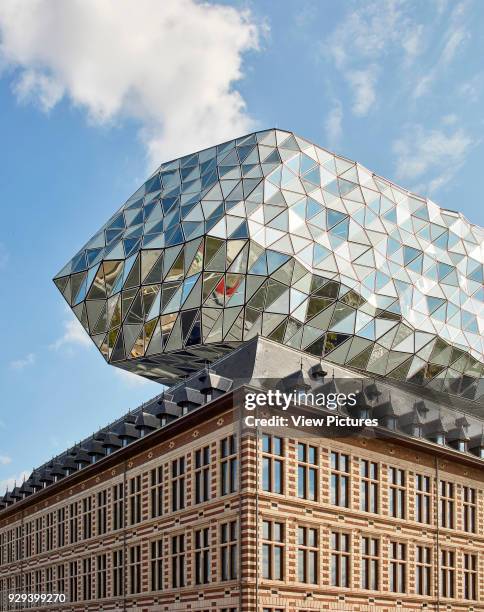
95 93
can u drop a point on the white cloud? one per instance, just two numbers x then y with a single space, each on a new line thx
5 459
441 6
362 40
169 65
455 40
11 481
32 86
430 156
471 89
20 364
413 42
363 83
387 45
333 125
74 335
366 32
450 119
452 41
423 84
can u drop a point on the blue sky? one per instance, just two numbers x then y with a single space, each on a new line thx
92 97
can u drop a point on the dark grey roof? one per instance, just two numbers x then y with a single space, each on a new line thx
128 430
111 440
26 488
188 396
457 434
95 448
210 381
163 407
385 408
435 427
146 420
81 455
296 380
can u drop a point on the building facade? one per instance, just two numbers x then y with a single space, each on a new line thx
202 514
269 263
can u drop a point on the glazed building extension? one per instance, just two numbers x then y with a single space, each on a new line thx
269 261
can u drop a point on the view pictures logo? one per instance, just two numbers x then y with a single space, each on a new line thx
275 398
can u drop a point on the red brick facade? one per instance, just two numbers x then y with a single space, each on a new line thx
64 538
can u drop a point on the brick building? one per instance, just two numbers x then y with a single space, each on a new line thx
177 507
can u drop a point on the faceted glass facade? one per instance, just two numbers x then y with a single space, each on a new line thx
271 235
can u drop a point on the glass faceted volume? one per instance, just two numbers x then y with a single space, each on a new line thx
272 235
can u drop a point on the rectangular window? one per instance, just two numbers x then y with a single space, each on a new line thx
202 556
38 580
156 492
73 523
60 576
134 500
118 574
101 576
202 474
340 479
307 472
398 567
272 550
422 499
228 550
423 574
117 493
470 509
447 573
157 565
102 523
9 537
470 576
49 580
135 569
397 492
447 504
178 561
19 540
228 465
38 537
10 540
18 582
272 464
86 579
178 484
49 531
370 563
307 555
61 527
10 543
87 517
28 583
369 483
340 559
73 596
29 529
